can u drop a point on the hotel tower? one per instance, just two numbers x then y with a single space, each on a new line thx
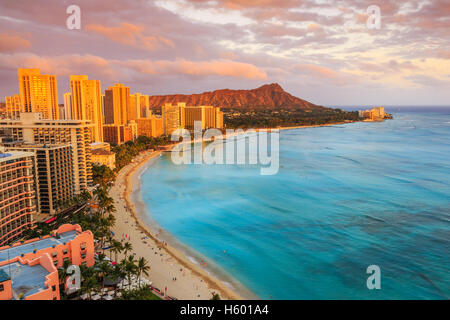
86 103
17 194
38 93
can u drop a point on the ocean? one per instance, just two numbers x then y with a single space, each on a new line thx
345 197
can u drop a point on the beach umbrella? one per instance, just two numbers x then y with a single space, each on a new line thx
96 297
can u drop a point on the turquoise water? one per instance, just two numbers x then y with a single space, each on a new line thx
346 197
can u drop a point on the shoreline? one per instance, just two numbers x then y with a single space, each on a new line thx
129 177
192 282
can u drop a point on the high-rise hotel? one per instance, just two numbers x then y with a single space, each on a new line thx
54 136
17 194
86 103
182 116
38 93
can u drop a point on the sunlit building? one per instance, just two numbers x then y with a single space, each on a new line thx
149 127
182 116
38 93
13 106
67 106
17 194
172 117
86 103
31 129
54 175
117 105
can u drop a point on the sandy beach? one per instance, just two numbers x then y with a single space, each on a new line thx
166 262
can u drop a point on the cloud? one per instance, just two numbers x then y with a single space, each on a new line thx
114 69
221 67
11 43
131 35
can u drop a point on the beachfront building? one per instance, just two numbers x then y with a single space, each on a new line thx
17 194
104 157
25 279
118 134
374 114
29 268
31 129
172 117
182 116
13 106
54 175
38 93
139 106
149 127
209 116
86 103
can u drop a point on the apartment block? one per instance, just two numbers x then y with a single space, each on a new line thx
38 93
118 134
54 175
149 127
86 103
17 194
31 129
117 105
13 107
182 116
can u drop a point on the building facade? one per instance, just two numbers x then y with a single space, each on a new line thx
54 175
38 93
31 129
117 105
13 107
17 194
86 103
149 127
28 270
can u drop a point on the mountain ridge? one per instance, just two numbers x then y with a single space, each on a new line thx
268 96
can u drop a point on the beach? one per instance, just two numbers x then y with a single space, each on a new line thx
167 263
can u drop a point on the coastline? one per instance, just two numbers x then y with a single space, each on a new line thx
166 262
198 283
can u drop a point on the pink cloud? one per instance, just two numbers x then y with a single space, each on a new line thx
12 43
131 35
221 67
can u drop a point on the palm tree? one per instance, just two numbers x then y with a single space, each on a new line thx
130 269
127 247
142 268
116 247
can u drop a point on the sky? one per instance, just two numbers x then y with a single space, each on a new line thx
322 51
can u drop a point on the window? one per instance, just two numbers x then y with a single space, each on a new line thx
83 246
83 256
54 254
53 288
65 251
2 288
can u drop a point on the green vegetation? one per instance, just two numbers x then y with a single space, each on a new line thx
140 294
285 118
127 151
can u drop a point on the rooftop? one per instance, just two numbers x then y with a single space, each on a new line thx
12 252
3 276
24 278
101 152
